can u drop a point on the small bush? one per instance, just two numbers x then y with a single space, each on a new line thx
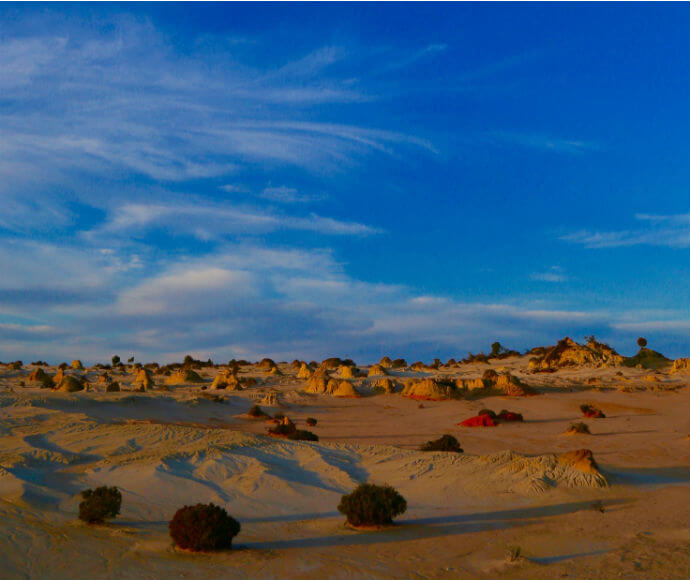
257 412
372 505
488 412
302 435
100 504
514 554
578 428
203 528
592 412
311 422
444 443
279 416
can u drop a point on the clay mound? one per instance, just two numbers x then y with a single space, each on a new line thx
304 372
334 362
76 364
377 370
581 459
419 366
59 375
568 353
275 371
266 363
681 365
347 372
386 362
472 384
183 376
345 389
426 390
573 469
270 400
143 380
70 384
38 376
388 385
512 386
317 384
104 379
295 365
479 421
226 380
331 386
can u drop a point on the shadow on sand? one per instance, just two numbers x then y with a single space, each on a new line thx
433 527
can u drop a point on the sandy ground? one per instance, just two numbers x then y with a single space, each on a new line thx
168 449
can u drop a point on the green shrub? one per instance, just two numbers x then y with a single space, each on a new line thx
100 504
203 528
372 505
444 443
311 422
647 359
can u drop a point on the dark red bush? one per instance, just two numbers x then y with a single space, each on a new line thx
203 528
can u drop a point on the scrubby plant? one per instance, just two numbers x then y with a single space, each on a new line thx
257 412
63 366
514 553
302 435
115 360
289 431
203 528
311 422
372 505
100 504
641 342
579 427
488 412
444 443
279 416
592 412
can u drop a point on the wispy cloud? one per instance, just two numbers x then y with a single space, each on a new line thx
542 142
672 231
207 221
554 274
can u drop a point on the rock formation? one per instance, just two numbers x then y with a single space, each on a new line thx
681 365
70 384
345 389
304 372
377 370
426 390
568 353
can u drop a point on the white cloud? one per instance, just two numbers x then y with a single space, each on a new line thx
208 221
672 231
554 275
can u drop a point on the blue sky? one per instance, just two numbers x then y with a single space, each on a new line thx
302 180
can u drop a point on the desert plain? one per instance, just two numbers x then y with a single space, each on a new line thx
508 506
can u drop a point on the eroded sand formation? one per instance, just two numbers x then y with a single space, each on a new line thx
518 482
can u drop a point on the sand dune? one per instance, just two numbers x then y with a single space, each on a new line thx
167 449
